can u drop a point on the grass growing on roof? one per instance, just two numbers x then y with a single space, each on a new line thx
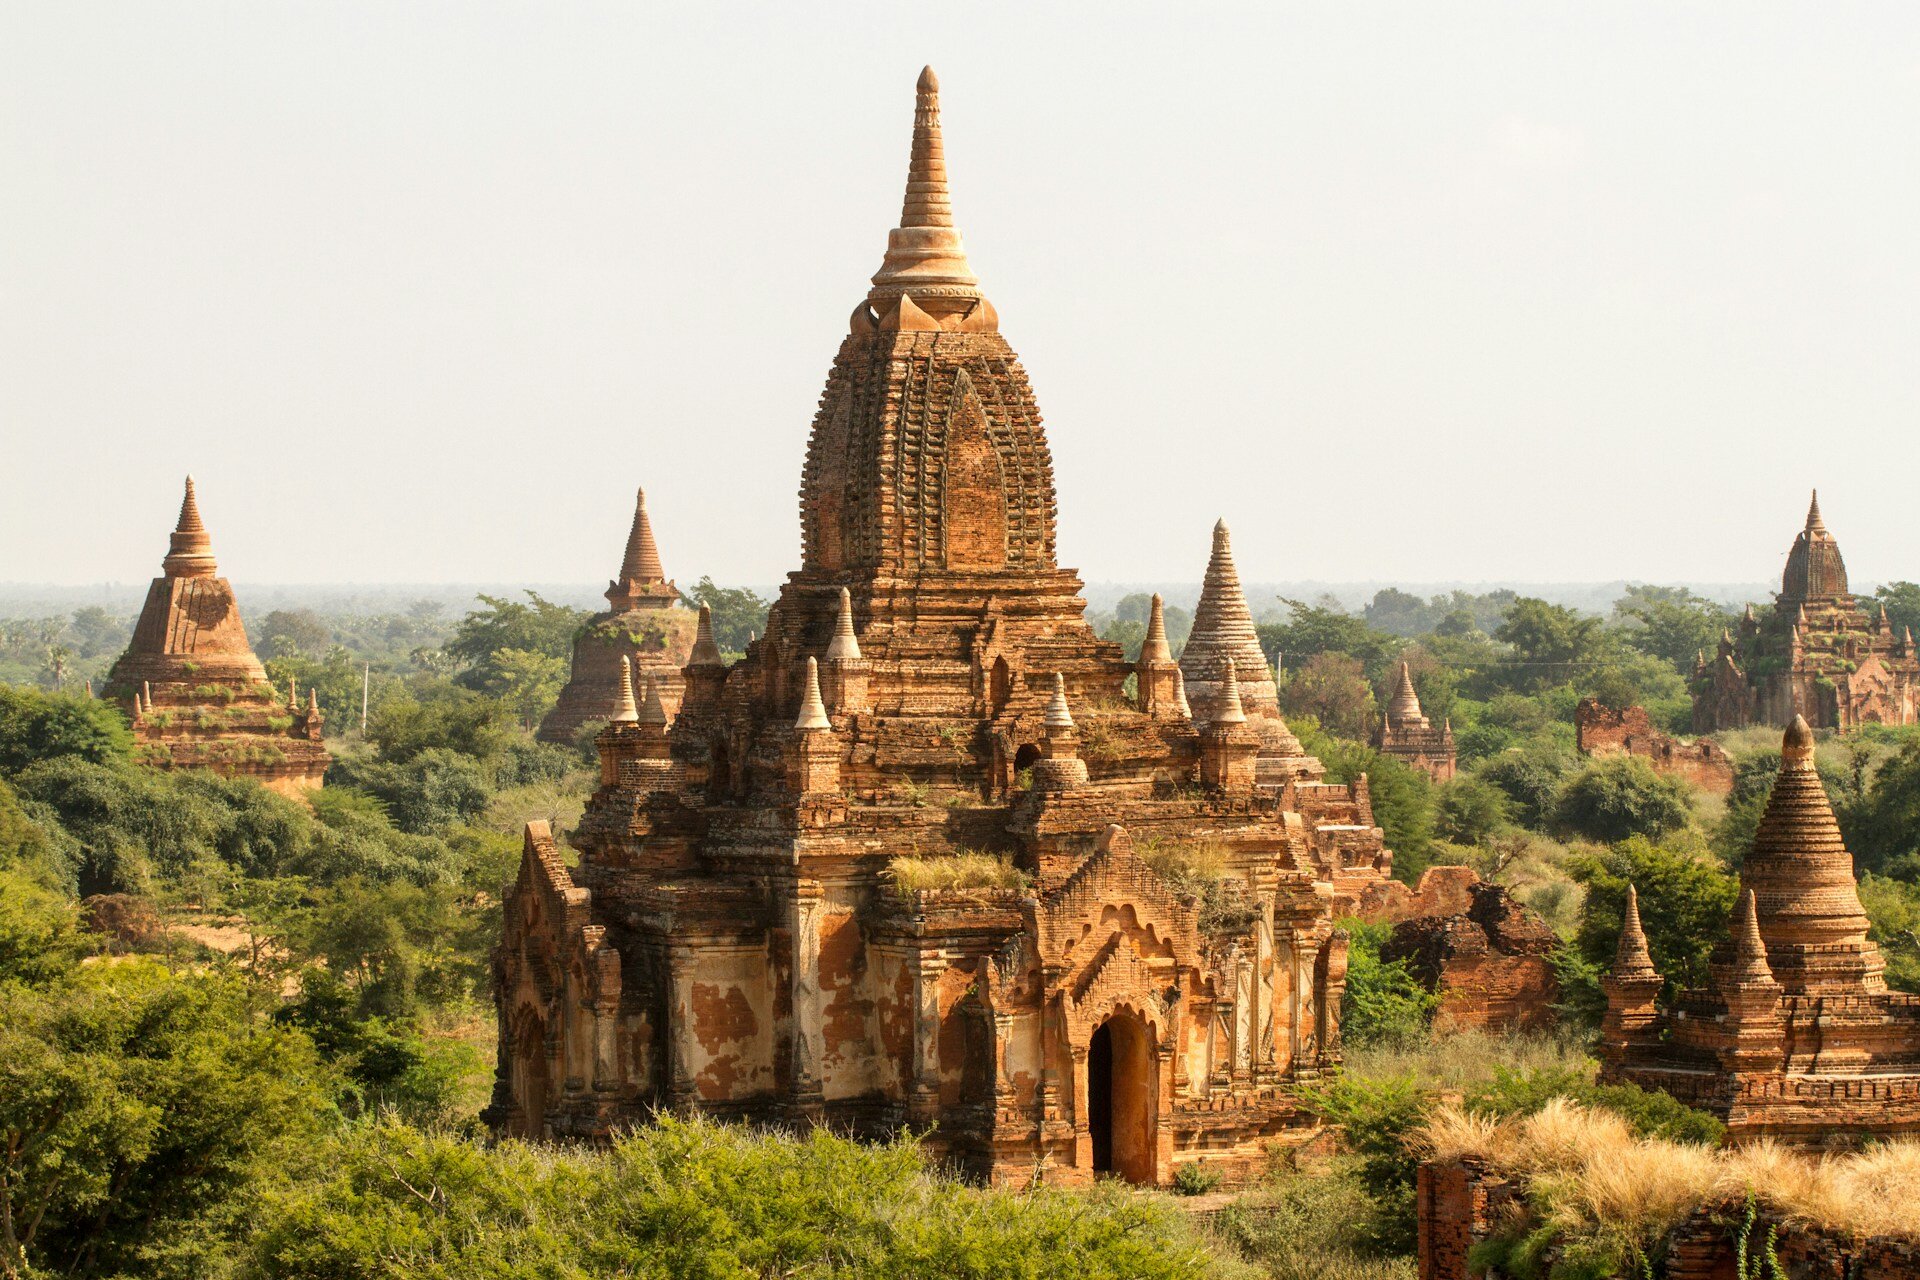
965 869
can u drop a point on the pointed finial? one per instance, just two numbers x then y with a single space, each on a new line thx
1404 709
925 258
293 692
652 709
1906 636
313 700
1749 948
189 547
623 708
1813 514
641 564
1229 710
845 646
1155 648
1631 959
705 652
1796 745
813 709
1180 694
1058 715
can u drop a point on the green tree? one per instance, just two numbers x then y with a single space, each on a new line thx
1670 623
44 726
1893 908
1621 796
139 1112
1468 809
1686 899
439 716
292 633
1550 643
737 612
1333 689
1883 826
1325 628
1902 603
527 682
538 626
1384 1002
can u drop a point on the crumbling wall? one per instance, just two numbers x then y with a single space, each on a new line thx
1482 953
1599 731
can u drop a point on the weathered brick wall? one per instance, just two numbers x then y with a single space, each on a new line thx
1602 731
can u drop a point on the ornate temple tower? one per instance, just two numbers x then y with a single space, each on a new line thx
643 624
1817 655
1795 1035
1407 735
746 933
198 697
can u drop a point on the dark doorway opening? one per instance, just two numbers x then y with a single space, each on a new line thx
1100 1097
1120 1099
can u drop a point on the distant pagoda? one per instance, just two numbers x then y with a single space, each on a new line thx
1817 655
1408 736
643 624
1795 1035
198 697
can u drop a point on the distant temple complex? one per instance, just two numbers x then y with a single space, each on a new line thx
750 931
1408 736
1795 1036
643 624
197 695
1817 655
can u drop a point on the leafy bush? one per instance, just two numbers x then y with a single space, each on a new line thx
1531 778
1685 903
1468 809
1649 1113
1384 1002
1378 1117
1195 1179
46 726
1622 796
693 1199
1312 1226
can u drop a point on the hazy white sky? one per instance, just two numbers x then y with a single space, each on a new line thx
1417 292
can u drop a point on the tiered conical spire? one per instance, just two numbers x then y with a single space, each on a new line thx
652 710
1155 648
623 707
845 646
1404 711
1180 694
1059 715
1631 959
1749 966
1223 635
705 653
1227 708
813 709
642 561
925 258
1806 903
1815 568
190 547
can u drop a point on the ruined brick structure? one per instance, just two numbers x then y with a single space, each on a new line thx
1818 654
644 623
1408 736
1460 1203
1488 958
1600 731
1795 1036
198 697
732 940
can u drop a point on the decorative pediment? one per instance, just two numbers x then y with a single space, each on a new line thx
1115 879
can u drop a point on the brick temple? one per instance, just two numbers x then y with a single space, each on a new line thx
1600 731
197 695
644 624
1795 1036
1406 735
1817 654
737 937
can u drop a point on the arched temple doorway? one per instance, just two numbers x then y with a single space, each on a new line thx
1120 1099
530 1060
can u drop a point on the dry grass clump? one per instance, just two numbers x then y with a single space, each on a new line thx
1466 1058
1587 1175
1190 865
964 870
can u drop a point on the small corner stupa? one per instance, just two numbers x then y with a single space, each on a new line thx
1408 736
1795 1036
643 624
197 695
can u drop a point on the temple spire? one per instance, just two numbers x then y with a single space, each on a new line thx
1155 648
813 710
623 708
652 709
1227 708
1404 710
190 547
845 646
925 258
1749 949
1813 514
1058 716
642 562
1223 636
705 652
1631 959
1180 694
